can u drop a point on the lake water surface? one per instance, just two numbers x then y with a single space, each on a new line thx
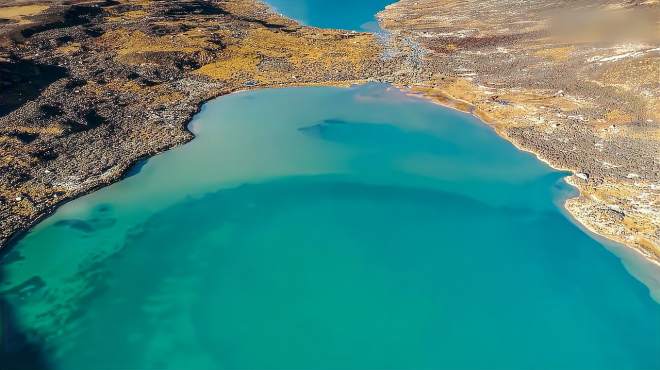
326 228
355 15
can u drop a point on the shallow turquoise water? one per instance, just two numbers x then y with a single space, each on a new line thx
326 228
343 14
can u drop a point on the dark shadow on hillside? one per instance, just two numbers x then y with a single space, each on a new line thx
23 80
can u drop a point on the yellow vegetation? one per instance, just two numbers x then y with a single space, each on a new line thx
133 14
132 42
556 54
636 224
48 130
632 72
68 49
19 13
650 247
230 67
616 116
323 51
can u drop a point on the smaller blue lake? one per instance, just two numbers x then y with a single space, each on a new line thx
341 14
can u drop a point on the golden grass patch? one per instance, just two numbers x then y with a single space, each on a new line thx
21 11
130 15
324 52
649 246
68 49
631 73
616 116
48 130
557 54
135 42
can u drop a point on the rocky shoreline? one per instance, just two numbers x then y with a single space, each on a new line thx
112 82
589 107
572 205
129 76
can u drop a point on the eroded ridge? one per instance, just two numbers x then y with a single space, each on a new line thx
576 82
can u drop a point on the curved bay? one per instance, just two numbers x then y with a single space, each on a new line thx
326 228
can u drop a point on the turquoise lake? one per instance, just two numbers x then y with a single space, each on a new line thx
326 228
343 14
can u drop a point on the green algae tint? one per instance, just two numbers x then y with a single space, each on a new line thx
326 228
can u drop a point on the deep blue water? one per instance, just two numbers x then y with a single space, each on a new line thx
356 229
